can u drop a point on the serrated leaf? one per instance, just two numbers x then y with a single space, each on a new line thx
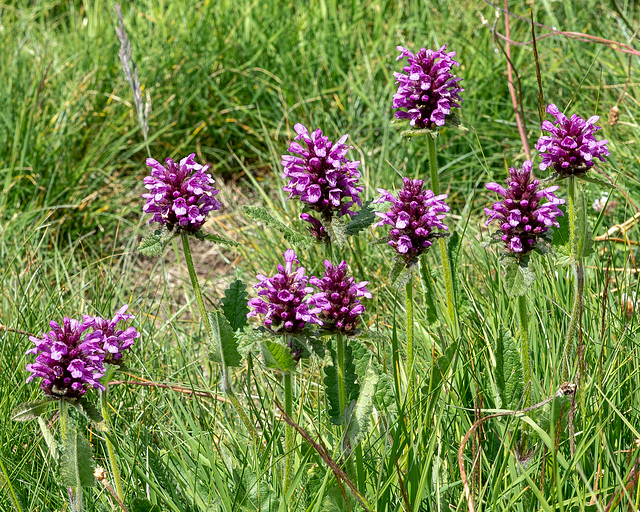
90 411
337 231
249 341
363 219
153 244
224 341
509 376
277 356
518 275
29 410
352 388
144 505
76 462
294 238
216 239
363 358
234 305
439 370
359 419
400 273
596 181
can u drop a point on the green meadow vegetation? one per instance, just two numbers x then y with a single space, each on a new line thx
228 80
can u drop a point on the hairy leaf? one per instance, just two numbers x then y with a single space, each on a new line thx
509 375
261 214
29 410
439 370
216 239
331 383
224 341
585 243
337 231
429 293
90 411
359 420
76 464
153 244
234 305
363 358
277 356
518 275
363 219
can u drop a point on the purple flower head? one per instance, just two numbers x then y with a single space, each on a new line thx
180 195
428 91
339 298
67 360
571 147
115 341
523 219
414 217
283 299
321 175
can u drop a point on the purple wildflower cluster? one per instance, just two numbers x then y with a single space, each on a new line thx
428 91
414 216
69 359
571 147
180 195
321 176
339 298
283 299
523 219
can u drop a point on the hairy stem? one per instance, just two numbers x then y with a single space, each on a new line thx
225 382
576 204
75 493
409 371
342 392
446 264
524 348
115 470
289 431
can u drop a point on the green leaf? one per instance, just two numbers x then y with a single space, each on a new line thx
596 181
234 305
360 418
153 244
363 219
224 341
439 370
144 505
277 356
509 377
76 464
337 231
250 340
518 275
363 358
428 291
585 243
90 411
261 214
331 383
216 239
400 273
30 410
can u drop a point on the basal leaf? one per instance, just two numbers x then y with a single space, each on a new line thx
76 464
363 219
294 238
518 275
234 305
30 410
224 341
277 356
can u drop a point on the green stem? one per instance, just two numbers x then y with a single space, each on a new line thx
577 243
409 370
225 382
342 392
524 348
446 263
115 471
75 492
289 432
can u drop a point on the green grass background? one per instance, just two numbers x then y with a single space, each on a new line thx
228 80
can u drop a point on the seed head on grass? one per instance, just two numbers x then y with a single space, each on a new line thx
321 176
427 90
284 299
67 360
180 194
339 298
571 147
523 218
415 216
115 341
